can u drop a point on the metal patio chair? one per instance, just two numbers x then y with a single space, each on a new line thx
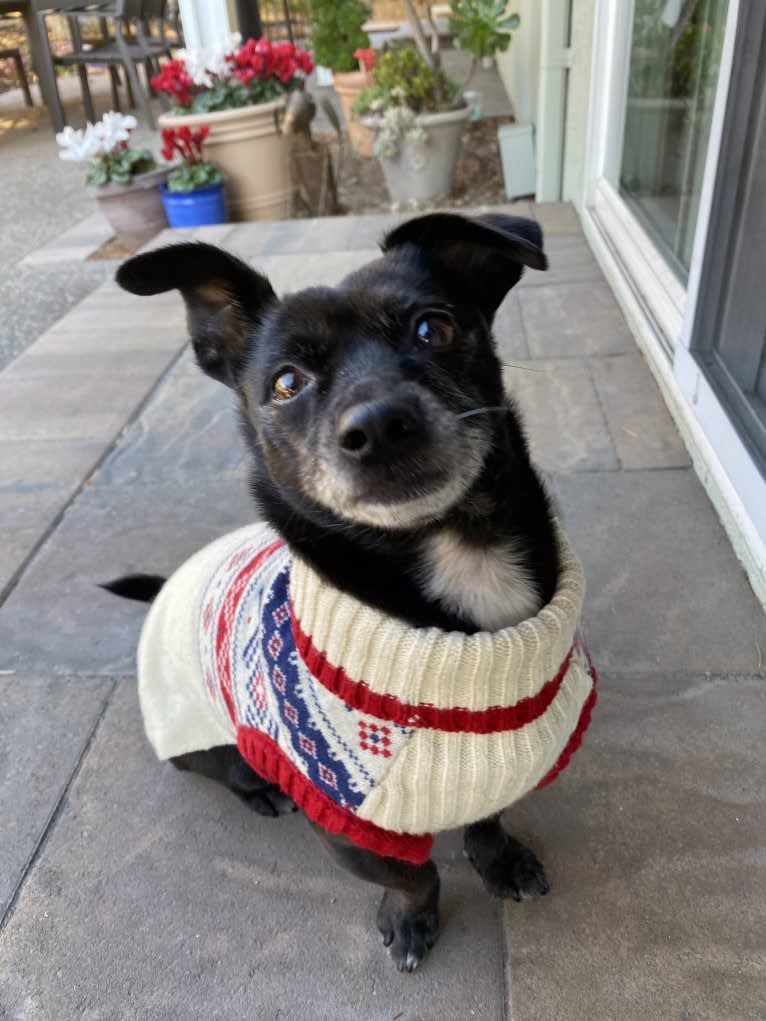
129 44
14 54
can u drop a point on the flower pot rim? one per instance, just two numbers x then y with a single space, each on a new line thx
171 119
423 119
194 191
357 76
149 179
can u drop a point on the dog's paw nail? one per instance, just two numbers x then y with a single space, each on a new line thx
412 962
388 939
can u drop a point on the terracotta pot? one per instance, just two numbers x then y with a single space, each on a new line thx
248 146
419 173
348 85
134 210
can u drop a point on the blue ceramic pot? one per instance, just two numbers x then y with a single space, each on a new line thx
195 208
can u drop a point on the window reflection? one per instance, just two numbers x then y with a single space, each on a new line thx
674 63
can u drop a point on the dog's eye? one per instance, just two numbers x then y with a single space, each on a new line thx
434 332
288 383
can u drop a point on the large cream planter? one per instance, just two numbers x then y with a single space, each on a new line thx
248 145
348 85
421 172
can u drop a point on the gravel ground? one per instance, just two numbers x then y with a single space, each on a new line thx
41 198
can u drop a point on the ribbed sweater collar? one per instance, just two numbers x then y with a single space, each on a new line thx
434 667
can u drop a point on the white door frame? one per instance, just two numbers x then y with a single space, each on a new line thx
659 309
664 297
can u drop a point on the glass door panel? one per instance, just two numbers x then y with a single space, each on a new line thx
673 73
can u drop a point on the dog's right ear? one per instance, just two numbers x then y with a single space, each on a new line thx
225 299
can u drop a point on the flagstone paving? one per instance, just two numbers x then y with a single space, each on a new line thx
131 891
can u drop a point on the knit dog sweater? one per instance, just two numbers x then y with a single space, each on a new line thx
379 731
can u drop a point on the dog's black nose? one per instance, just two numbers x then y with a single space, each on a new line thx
380 430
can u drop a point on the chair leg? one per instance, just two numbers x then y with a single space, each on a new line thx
129 91
22 76
151 66
114 76
87 98
162 97
42 61
133 80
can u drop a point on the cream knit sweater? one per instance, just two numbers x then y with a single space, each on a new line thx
378 730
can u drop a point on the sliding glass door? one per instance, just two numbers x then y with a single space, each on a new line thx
675 53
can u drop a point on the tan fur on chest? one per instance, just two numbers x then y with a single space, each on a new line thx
489 585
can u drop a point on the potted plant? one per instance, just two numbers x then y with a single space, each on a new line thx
340 42
125 181
193 193
418 115
239 92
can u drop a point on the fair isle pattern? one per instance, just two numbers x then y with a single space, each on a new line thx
256 678
380 732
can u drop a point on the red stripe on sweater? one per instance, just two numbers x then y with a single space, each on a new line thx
454 720
226 618
268 760
577 734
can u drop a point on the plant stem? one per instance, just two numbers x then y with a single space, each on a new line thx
435 50
417 31
471 72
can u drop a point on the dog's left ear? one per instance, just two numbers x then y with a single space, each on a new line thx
484 256
225 300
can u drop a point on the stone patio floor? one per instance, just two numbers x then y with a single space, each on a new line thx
130 891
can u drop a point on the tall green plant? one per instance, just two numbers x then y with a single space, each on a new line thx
482 27
336 31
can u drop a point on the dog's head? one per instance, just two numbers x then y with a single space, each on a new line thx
362 399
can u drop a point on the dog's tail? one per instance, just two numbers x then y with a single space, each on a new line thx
141 587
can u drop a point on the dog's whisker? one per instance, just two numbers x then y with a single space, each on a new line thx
524 368
481 411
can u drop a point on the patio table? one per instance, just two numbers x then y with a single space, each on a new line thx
39 47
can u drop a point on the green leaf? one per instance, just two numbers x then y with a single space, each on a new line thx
510 24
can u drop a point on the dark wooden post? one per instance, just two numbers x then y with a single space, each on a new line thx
249 18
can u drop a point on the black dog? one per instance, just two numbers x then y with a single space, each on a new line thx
387 455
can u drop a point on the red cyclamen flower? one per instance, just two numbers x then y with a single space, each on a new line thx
366 58
174 80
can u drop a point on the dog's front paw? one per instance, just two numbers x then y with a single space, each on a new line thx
408 935
517 873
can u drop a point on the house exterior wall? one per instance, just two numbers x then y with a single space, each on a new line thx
581 36
519 66
520 69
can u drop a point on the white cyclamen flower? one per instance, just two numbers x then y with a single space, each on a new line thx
114 128
80 145
205 65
